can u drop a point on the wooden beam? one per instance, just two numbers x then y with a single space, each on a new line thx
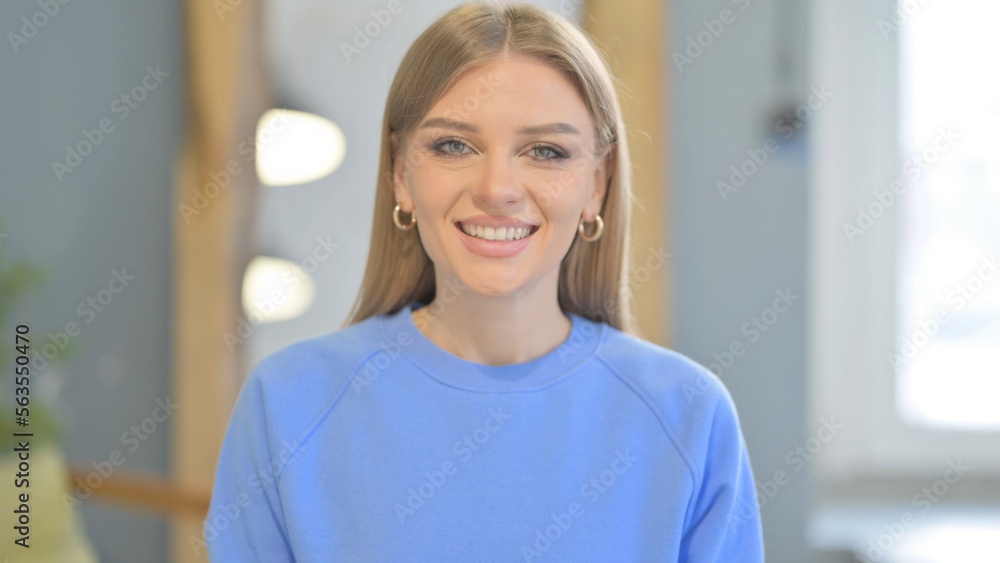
633 34
228 92
146 492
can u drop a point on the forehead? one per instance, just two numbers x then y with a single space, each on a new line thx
513 92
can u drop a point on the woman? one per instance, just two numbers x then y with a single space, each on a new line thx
488 399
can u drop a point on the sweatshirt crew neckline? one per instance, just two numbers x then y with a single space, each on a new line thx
582 344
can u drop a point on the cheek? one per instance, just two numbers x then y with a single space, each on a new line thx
433 190
435 193
560 198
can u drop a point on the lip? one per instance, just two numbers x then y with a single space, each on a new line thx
495 221
492 248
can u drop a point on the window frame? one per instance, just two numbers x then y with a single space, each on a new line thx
853 286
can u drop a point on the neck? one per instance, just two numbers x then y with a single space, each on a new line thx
511 329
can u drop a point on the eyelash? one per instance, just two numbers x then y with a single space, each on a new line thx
438 145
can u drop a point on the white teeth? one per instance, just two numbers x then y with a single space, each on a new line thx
500 233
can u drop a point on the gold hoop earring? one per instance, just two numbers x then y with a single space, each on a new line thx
597 233
399 225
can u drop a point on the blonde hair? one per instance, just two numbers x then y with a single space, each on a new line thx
593 275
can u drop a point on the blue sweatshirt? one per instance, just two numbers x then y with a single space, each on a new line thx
371 443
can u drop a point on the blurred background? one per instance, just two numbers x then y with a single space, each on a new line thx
187 187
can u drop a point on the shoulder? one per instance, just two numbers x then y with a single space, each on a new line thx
312 358
692 403
662 372
297 385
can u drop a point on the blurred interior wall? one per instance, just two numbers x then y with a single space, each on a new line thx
735 66
111 212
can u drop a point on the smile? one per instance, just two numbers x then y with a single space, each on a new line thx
499 234
515 240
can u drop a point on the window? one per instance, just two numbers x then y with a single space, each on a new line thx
948 361
891 248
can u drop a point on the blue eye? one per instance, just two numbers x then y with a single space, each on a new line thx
455 148
554 153
444 147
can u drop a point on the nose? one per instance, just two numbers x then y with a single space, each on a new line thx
498 186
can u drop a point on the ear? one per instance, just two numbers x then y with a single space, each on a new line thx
399 172
602 179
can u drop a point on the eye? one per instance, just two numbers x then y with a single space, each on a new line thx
449 147
547 152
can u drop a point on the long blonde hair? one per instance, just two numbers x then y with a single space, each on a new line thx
593 275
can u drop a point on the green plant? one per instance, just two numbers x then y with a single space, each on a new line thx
17 280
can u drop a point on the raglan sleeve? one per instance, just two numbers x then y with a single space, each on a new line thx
245 521
723 522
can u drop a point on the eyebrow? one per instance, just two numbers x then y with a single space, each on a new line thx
447 123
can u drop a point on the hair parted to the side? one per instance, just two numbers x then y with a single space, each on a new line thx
593 275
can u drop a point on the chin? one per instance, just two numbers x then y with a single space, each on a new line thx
483 281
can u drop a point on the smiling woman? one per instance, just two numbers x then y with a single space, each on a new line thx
525 158
509 116
488 397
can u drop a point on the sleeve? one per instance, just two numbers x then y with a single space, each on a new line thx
245 521
723 522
